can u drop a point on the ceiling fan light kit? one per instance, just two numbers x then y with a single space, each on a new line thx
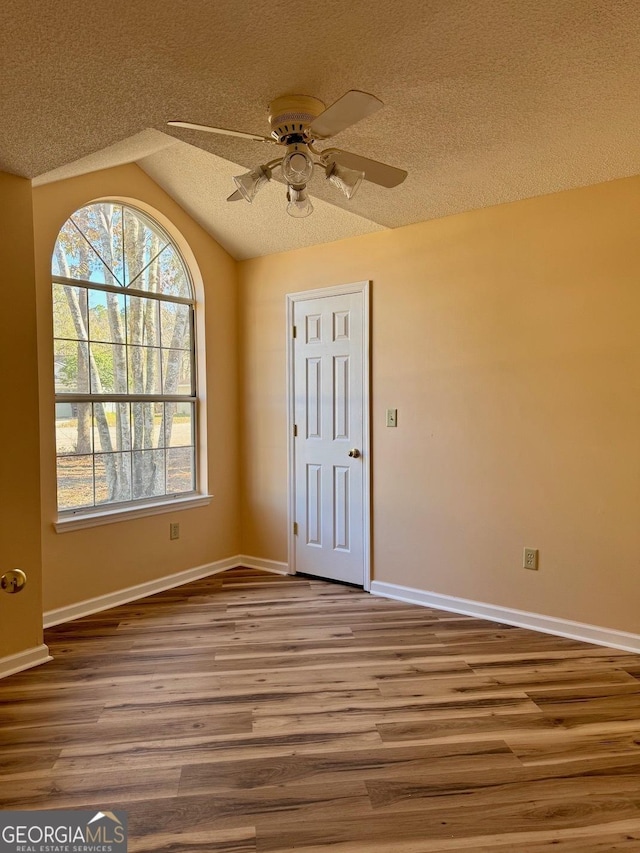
297 121
249 183
299 202
346 180
297 165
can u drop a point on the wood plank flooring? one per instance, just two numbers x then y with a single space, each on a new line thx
254 713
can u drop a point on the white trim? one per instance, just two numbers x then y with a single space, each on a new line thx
133 593
362 287
331 290
67 523
609 637
24 660
266 565
366 433
142 590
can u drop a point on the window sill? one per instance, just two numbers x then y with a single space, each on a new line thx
69 522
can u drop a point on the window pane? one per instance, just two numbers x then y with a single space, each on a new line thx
143 321
111 427
112 477
178 424
142 242
106 317
69 312
176 372
148 473
176 325
71 366
180 470
101 225
73 428
108 369
172 276
75 481
144 370
75 258
146 419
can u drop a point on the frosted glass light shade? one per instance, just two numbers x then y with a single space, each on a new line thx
249 183
346 180
299 203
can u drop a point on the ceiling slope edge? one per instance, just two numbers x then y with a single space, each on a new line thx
128 150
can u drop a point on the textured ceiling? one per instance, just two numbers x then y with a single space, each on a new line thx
486 101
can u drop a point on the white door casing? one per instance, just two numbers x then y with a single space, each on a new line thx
329 495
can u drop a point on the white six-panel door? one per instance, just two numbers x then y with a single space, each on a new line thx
330 454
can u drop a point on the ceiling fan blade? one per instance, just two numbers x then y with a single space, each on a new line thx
236 196
222 130
377 173
347 110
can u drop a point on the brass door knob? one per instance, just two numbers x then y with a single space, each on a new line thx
354 453
13 581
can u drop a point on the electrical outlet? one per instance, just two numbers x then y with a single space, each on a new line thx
392 417
530 559
174 530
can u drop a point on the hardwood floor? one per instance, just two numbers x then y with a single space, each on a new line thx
253 712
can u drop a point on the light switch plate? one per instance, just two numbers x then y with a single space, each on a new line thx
392 417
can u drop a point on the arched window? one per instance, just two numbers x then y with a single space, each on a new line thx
124 361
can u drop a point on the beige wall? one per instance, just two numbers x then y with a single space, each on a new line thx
91 562
21 614
508 340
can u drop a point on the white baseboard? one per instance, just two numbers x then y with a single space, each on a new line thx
266 565
133 593
142 590
11 664
609 637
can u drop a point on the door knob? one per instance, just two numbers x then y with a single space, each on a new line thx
13 581
354 453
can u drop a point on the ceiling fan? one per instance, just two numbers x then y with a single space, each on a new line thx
297 123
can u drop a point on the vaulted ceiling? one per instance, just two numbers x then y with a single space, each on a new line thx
486 101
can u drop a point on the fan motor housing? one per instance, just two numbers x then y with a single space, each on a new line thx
291 115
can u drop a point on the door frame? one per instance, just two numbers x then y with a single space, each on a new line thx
363 288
